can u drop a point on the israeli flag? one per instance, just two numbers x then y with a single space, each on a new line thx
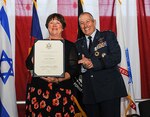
8 106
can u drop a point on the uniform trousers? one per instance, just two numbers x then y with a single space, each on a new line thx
108 108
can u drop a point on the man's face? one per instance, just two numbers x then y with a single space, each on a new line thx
87 24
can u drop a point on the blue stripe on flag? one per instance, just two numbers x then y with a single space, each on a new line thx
36 29
3 112
129 66
4 22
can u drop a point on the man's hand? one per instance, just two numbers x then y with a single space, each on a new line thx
86 62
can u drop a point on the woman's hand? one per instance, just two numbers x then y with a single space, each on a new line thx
56 79
50 79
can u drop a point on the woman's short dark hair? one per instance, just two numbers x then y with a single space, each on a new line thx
58 17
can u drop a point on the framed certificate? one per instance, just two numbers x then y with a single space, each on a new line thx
49 58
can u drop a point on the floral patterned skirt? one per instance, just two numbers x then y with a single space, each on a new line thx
50 101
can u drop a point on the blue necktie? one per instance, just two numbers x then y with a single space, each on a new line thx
90 43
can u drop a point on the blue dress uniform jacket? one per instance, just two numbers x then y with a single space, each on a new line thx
103 81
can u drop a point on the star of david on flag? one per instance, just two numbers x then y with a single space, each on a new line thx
6 64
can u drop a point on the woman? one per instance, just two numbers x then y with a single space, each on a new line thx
51 96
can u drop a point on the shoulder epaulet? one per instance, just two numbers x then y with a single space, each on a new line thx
107 31
80 39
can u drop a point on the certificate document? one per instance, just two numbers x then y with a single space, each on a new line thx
49 58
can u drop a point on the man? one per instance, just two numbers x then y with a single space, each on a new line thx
99 54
